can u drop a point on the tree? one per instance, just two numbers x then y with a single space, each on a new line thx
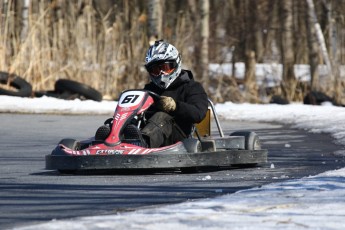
155 16
287 51
313 52
320 37
205 27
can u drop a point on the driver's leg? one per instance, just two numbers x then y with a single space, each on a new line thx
161 130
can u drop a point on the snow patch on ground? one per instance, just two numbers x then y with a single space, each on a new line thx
315 202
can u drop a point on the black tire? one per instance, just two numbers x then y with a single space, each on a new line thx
24 88
70 143
316 98
252 141
277 99
74 87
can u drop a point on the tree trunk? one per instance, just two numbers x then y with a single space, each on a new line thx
205 37
155 17
301 37
333 44
287 52
249 77
320 38
21 21
313 53
258 24
270 36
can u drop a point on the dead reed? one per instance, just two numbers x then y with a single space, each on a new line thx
77 46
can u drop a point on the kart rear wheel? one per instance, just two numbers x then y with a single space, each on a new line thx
251 142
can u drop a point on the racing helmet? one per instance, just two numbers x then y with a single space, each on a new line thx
163 63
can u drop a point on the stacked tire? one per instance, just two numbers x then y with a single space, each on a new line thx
13 85
17 85
65 87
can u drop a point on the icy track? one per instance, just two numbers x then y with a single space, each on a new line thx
315 202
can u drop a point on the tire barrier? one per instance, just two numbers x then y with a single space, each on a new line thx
277 99
18 86
64 86
316 98
69 90
13 85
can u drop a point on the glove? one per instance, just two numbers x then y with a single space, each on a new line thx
167 104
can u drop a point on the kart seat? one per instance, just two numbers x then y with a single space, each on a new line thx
203 128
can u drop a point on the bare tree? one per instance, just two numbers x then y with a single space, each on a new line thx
249 77
155 16
313 52
258 19
21 21
252 40
205 38
333 52
287 51
320 38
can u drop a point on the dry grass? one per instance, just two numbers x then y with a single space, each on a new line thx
81 47
78 44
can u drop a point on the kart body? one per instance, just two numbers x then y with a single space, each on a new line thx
115 152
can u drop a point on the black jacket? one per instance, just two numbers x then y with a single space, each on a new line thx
190 97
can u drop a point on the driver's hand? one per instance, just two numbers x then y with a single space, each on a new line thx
167 103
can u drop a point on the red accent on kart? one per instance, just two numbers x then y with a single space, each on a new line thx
121 149
131 103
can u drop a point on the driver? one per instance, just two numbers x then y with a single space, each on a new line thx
183 100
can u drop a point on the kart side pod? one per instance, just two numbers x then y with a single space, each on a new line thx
241 140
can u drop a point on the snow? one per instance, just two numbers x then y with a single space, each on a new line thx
314 202
270 74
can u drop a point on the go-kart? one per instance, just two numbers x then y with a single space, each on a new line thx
112 149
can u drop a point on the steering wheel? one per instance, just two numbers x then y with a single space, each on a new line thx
156 97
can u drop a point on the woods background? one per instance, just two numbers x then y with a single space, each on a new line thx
103 43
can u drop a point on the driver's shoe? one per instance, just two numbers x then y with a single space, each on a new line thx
133 135
102 133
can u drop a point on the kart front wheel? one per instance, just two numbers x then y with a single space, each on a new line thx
70 143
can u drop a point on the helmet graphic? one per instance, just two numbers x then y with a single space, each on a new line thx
163 63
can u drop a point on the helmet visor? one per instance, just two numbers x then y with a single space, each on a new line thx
156 69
